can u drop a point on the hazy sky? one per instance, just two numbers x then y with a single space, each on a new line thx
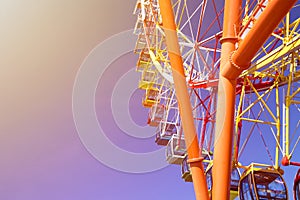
42 46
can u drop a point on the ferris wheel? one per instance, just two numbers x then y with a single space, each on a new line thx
267 106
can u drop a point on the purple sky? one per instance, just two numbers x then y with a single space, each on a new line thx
43 45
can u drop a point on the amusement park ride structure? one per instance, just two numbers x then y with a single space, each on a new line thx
216 75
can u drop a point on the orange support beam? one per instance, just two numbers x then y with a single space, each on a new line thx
185 109
231 67
262 29
226 105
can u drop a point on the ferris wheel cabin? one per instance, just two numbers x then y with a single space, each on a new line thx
176 149
141 44
144 60
262 183
147 79
156 114
150 97
186 174
234 183
297 186
164 132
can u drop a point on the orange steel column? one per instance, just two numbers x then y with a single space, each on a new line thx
191 140
225 106
231 67
262 29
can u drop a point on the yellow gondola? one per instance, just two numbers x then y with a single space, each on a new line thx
151 97
147 80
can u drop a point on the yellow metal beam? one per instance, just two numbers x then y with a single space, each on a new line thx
278 53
